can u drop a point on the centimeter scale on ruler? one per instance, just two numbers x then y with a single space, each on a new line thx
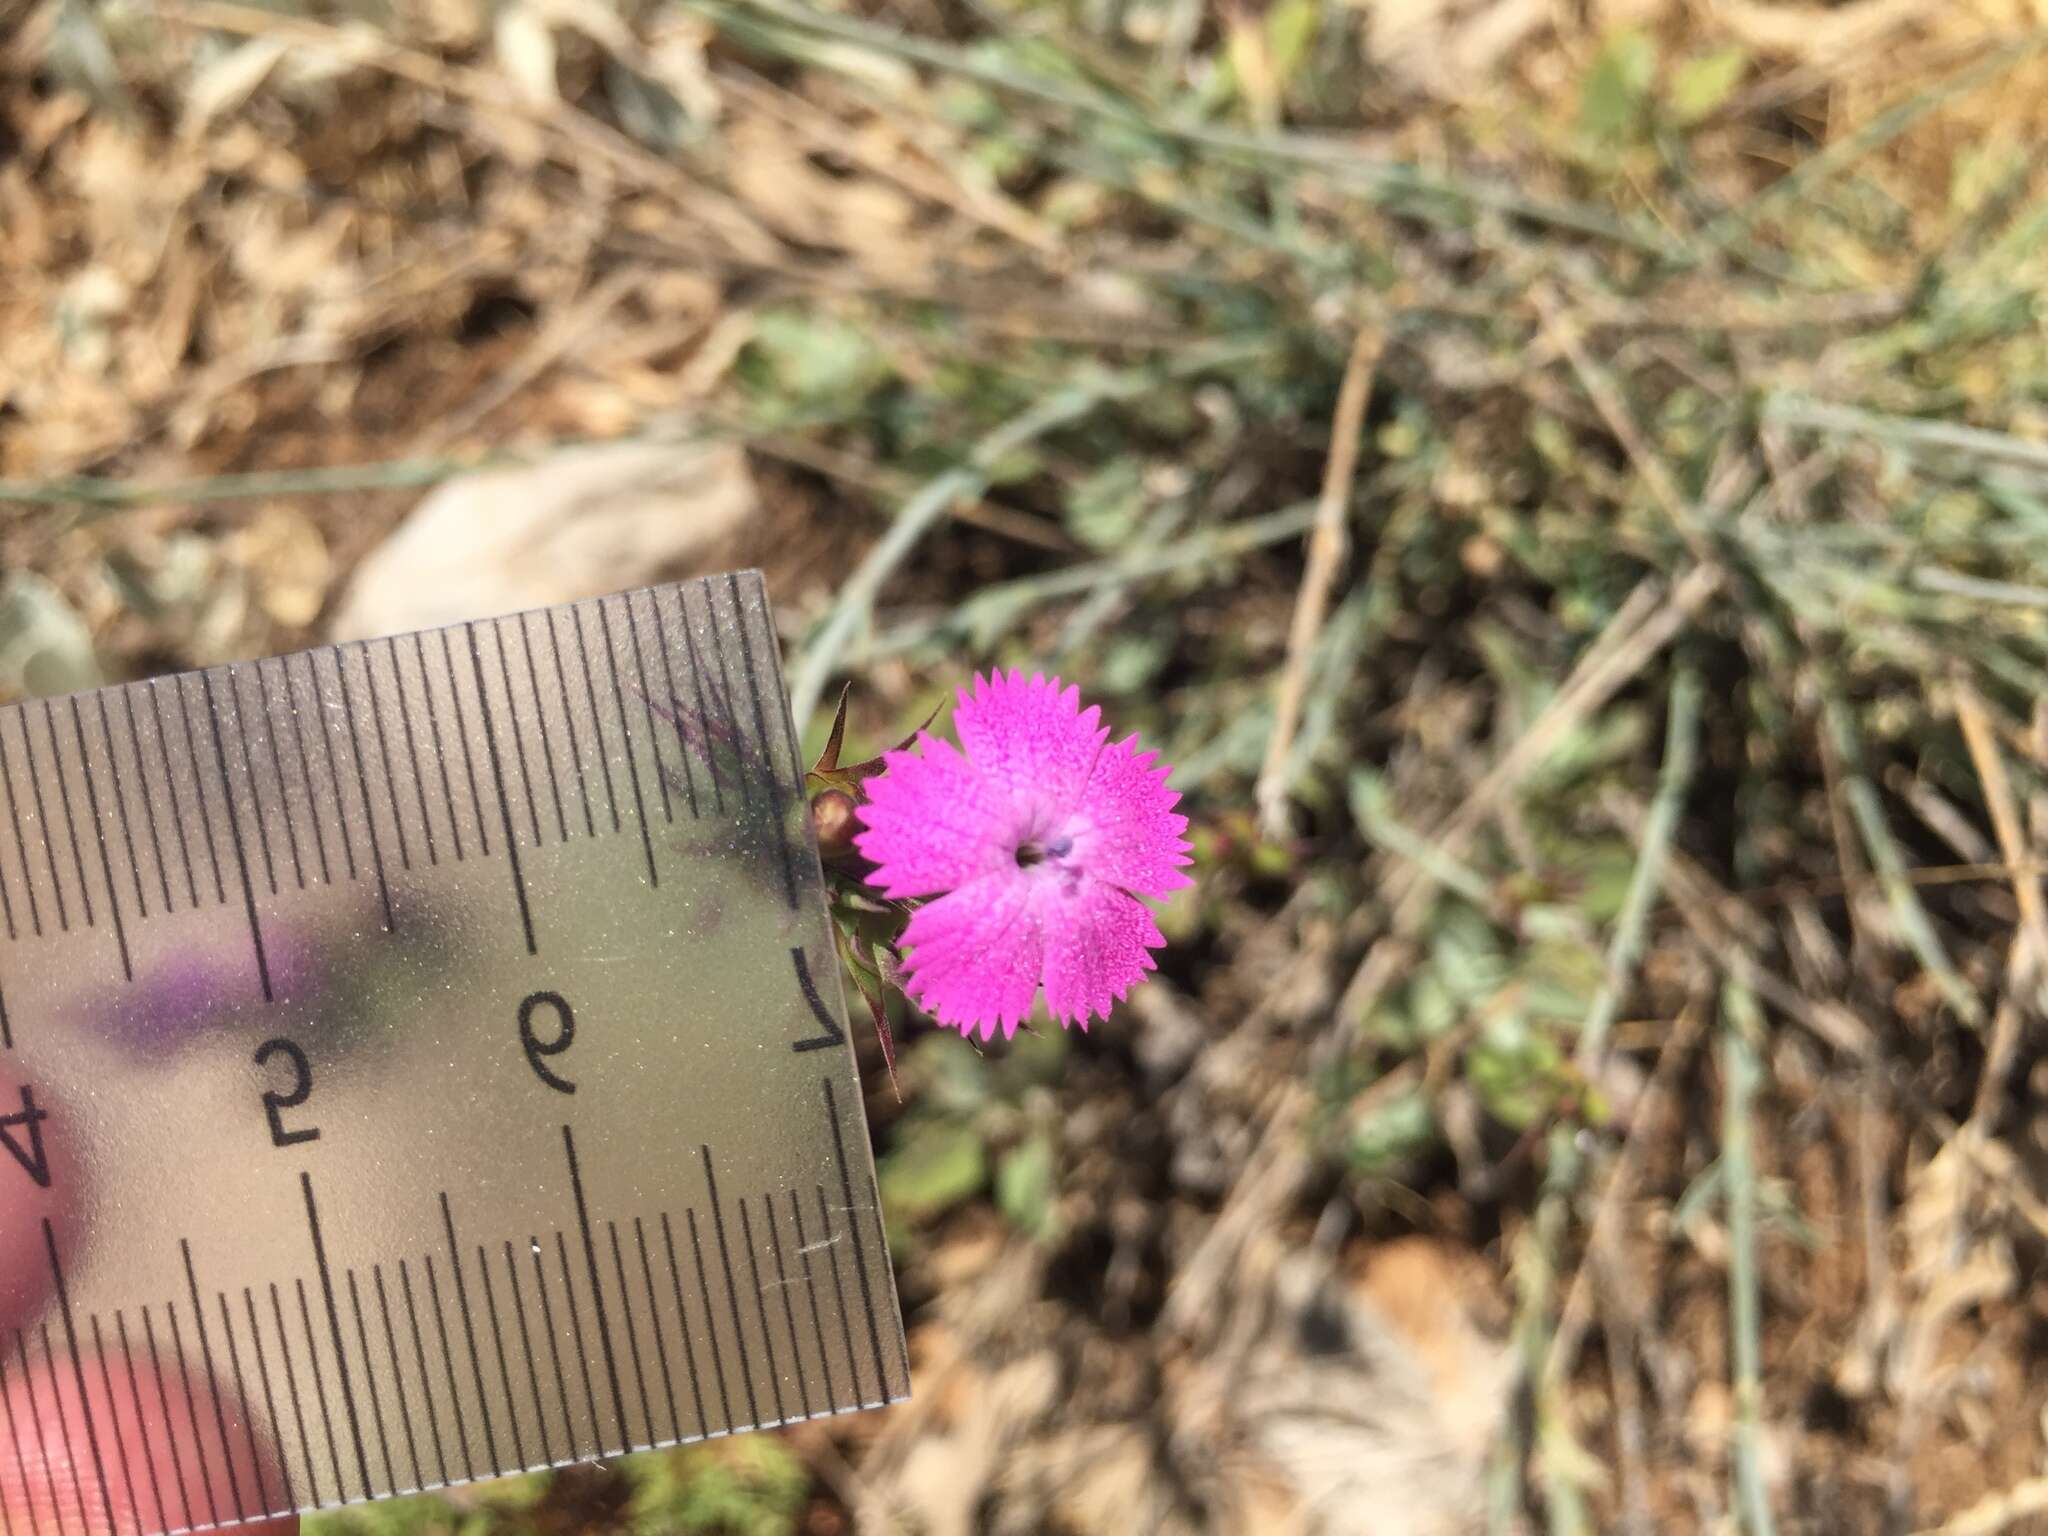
422 1059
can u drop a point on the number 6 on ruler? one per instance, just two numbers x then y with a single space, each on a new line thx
536 1050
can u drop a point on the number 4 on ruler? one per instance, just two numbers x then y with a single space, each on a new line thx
31 1157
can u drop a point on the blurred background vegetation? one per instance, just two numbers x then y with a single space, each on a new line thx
1565 480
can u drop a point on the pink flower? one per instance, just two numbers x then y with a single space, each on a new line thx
1036 842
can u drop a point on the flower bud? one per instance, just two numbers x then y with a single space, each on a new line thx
834 819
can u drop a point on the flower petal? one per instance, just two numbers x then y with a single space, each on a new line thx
933 822
973 959
1098 950
1126 831
1031 737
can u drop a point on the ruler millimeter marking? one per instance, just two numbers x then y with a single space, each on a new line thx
421 1060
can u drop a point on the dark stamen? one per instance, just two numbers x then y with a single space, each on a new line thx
1029 854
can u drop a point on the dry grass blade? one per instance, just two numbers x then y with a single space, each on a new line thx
1729 229
1996 1512
1621 654
1608 1211
1606 397
577 135
1327 545
1999 449
1729 933
2029 953
1376 177
1888 860
828 648
1586 690
99 495
1982 741
1646 881
1742 1031
554 341
985 205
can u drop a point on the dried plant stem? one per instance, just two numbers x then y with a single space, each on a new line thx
1742 1024
1887 858
1728 932
1108 600
1327 545
827 651
1592 683
1998 1511
578 136
1999 800
1577 1311
101 495
992 611
2030 949
1646 882
1731 227
1335 158
563 333
1909 432
1562 332
1630 1440
1637 633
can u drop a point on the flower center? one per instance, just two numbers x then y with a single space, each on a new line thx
1031 854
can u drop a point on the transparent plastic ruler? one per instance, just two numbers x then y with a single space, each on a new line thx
421 1060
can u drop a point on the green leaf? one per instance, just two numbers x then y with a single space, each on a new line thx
1014 467
1103 510
1130 662
752 1486
1602 869
867 963
950 1078
938 1168
1618 87
649 110
1036 1058
1389 1133
813 359
1466 952
517 1494
1559 977
1700 85
1516 1071
1025 1186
